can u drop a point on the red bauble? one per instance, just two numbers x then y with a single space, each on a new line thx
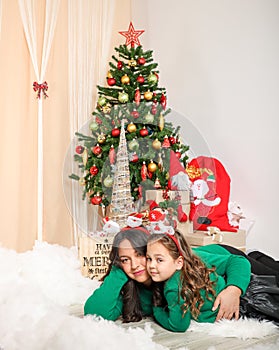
112 155
111 81
134 157
96 200
178 154
115 132
137 97
94 170
79 149
163 101
141 60
135 114
172 140
97 150
119 65
143 132
140 79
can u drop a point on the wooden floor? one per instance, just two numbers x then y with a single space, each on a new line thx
202 341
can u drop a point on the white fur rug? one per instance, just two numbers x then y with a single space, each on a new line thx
42 292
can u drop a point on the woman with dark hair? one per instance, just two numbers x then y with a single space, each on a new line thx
126 288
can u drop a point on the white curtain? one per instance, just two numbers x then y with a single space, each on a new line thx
27 11
89 36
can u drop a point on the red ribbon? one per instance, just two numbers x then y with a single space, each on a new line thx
41 88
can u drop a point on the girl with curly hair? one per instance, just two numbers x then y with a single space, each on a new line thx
188 280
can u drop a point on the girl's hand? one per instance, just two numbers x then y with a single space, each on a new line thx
228 300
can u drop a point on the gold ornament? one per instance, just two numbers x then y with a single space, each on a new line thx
161 123
152 167
84 156
107 108
131 127
132 63
156 144
148 95
109 75
125 79
101 138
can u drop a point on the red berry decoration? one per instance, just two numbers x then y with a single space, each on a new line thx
79 149
154 108
115 132
96 200
119 65
172 140
141 60
94 170
97 150
140 79
143 132
111 81
178 154
135 114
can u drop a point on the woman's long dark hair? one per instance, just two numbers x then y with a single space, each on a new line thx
132 311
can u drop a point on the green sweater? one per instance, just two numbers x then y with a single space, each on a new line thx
106 301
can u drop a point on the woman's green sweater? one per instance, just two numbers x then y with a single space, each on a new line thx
106 301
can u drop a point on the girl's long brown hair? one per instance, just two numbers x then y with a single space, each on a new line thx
195 275
132 311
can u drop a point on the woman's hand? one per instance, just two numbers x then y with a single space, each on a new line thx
228 300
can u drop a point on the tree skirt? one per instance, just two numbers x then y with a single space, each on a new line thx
42 293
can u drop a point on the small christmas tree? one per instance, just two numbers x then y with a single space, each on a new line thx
132 96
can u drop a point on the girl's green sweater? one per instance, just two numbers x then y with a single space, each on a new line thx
106 301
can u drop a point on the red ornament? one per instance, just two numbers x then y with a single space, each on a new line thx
134 157
137 97
132 35
119 65
140 79
98 120
97 150
154 108
96 200
178 154
112 155
135 114
166 142
115 132
111 81
141 61
163 101
172 140
143 132
94 170
79 149
143 172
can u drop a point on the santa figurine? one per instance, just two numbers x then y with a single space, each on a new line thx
110 227
158 222
179 179
134 220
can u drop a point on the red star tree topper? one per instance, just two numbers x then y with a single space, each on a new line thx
132 35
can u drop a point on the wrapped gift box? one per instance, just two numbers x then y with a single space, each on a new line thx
93 254
235 239
157 196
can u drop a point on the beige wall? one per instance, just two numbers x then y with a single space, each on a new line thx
18 131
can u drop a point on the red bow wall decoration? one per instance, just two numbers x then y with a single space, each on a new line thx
40 88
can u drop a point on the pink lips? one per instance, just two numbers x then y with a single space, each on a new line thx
138 273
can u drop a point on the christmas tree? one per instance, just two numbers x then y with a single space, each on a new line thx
133 97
